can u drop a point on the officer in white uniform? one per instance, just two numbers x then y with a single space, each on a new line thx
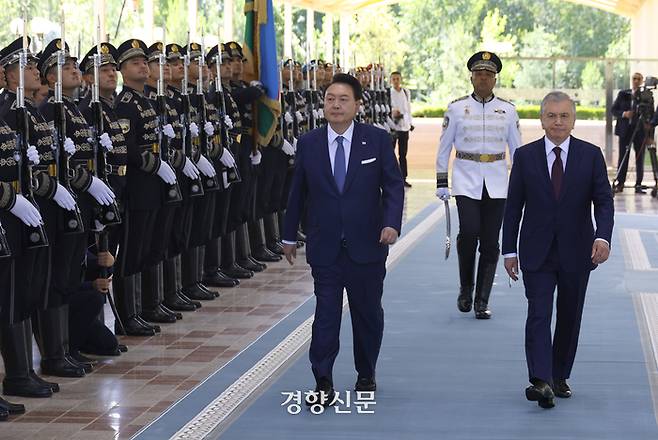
479 126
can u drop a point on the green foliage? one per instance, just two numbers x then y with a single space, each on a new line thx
525 112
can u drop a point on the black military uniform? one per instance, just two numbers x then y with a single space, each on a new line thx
31 266
144 194
218 102
68 249
250 232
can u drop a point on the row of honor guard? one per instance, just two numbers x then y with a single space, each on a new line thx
161 188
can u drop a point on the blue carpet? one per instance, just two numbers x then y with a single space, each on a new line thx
444 375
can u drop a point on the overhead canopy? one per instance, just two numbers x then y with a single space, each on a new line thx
621 7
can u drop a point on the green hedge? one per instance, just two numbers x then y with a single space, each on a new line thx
524 111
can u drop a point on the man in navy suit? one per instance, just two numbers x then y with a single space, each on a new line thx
554 183
348 185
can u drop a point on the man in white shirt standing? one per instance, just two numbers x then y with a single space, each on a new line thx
401 123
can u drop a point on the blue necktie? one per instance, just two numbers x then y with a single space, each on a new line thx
339 164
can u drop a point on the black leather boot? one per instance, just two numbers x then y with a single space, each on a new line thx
258 242
199 271
466 256
27 329
212 274
53 355
16 354
272 237
11 408
125 294
485 279
152 295
190 263
179 283
138 304
243 250
229 265
171 299
87 365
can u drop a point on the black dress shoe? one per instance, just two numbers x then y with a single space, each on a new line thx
52 385
4 415
25 387
205 289
86 366
182 296
276 247
235 271
195 292
618 188
11 408
541 393
365 384
249 264
157 315
134 327
219 279
561 388
323 395
155 327
639 190
407 184
465 299
178 305
264 254
61 367
166 309
123 348
482 310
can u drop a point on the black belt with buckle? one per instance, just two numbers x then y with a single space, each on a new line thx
117 170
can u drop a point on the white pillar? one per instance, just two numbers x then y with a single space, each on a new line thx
310 27
345 57
643 25
329 38
227 29
287 30
148 22
192 19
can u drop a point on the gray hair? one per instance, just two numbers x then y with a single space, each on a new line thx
557 96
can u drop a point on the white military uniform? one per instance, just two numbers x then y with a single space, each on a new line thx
479 130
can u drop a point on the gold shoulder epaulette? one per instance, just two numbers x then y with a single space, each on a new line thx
505 100
460 99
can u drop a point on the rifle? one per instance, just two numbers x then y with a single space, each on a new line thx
105 215
35 237
70 222
196 187
173 193
286 127
209 183
232 174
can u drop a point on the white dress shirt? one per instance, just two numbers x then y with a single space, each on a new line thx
333 144
550 159
400 102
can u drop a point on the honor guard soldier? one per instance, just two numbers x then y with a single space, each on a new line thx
222 112
479 126
72 132
149 180
18 217
250 235
187 263
37 164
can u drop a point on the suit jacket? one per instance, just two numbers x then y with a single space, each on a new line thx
568 220
372 198
624 126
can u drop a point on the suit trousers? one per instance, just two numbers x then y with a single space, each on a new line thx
553 359
622 164
402 139
364 284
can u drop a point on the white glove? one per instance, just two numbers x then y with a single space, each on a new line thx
166 173
227 159
69 146
315 114
101 192
33 155
443 193
168 131
255 158
64 198
206 167
378 109
106 142
190 170
228 122
294 144
299 116
321 113
208 128
194 129
388 108
26 211
288 148
256 83
288 118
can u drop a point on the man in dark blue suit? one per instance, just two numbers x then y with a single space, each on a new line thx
348 184
554 183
